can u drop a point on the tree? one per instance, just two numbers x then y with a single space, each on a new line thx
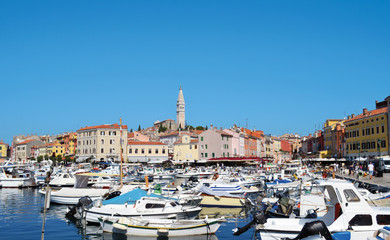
40 158
131 130
46 157
139 127
206 128
199 128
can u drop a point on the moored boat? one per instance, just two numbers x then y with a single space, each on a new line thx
160 227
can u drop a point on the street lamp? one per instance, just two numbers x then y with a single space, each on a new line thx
359 150
379 147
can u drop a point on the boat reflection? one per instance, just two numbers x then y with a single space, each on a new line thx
113 236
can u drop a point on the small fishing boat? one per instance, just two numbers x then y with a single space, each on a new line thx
160 227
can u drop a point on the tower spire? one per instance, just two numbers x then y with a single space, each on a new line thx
180 110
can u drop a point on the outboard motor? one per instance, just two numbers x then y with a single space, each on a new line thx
257 219
83 203
313 228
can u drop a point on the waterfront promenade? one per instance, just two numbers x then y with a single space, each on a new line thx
380 181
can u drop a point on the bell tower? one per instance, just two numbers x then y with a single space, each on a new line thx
180 110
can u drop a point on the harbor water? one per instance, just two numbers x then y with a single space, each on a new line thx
21 217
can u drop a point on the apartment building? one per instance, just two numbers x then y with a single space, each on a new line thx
103 142
146 152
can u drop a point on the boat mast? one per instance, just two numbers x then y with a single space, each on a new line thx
121 172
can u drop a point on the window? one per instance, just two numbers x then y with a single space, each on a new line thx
205 154
130 150
163 151
150 151
154 205
102 133
201 155
156 151
351 196
383 143
383 219
102 150
142 151
196 146
377 130
383 128
206 146
201 138
136 150
102 141
213 154
361 220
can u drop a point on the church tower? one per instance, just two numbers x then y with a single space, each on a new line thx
180 110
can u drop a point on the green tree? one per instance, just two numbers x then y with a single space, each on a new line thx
206 128
68 159
139 127
40 158
131 130
199 128
46 157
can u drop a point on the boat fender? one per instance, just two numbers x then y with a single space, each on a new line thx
162 232
120 227
217 198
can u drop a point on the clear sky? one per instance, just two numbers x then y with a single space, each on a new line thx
278 66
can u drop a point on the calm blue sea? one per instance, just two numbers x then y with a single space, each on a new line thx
21 218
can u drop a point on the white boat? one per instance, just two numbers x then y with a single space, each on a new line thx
63 180
147 207
160 227
18 178
71 195
347 212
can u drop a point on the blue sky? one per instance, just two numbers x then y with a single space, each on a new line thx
278 66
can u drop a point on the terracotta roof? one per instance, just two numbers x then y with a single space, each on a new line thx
25 142
107 126
223 133
368 114
144 143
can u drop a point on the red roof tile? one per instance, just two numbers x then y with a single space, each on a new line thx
106 126
368 114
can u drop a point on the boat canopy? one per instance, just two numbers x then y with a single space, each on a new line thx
131 197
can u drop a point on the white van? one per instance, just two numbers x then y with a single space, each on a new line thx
386 162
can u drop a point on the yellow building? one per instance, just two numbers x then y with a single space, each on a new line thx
147 152
330 145
366 134
185 150
3 150
52 149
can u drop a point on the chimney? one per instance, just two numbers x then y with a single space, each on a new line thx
211 126
349 117
352 115
364 111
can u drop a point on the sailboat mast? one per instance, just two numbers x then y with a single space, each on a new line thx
121 172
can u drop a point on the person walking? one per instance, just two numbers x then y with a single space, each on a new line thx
371 170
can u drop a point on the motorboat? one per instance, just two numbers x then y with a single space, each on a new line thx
347 212
19 178
63 179
160 227
140 203
71 195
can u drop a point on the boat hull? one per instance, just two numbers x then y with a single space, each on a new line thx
164 228
221 201
17 183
